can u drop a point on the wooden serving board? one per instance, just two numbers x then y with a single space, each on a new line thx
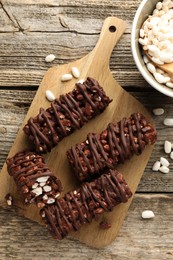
96 65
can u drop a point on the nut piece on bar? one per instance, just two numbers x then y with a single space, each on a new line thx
86 203
33 178
66 114
117 143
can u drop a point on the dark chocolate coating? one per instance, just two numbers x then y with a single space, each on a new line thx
66 114
86 203
117 143
26 167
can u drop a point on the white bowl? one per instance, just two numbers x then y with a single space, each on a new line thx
145 8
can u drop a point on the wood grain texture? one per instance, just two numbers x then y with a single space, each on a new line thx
31 29
71 30
138 238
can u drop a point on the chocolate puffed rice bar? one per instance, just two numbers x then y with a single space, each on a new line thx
33 178
86 203
66 114
117 143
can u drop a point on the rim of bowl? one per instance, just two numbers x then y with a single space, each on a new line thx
148 78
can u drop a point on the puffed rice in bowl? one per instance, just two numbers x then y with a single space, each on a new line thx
145 9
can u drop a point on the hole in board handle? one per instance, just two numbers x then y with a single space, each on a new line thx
112 28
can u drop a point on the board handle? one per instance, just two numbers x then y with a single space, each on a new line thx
112 30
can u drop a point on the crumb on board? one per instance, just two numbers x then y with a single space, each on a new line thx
9 199
105 224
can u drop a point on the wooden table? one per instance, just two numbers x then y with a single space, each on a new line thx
69 29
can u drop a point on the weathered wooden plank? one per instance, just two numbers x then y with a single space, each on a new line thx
69 32
24 63
30 30
5 24
15 103
32 77
138 238
33 12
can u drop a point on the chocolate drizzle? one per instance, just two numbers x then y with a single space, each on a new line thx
69 112
114 145
26 167
25 164
86 203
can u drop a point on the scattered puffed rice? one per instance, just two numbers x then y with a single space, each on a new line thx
164 161
75 72
147 214
158 111
156 166
9 202
50 96
171 155
66 77
164 169
50 58
168 122
167 146
9 199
